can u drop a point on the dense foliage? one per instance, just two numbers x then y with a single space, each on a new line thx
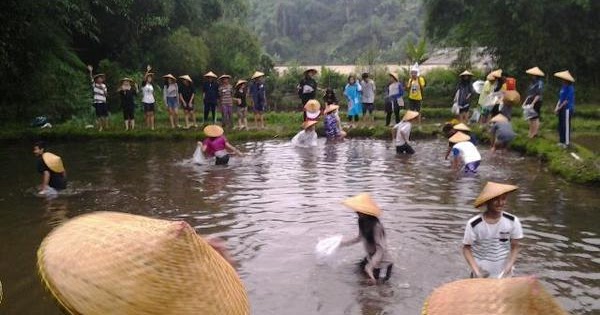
336 31
555 35
45 45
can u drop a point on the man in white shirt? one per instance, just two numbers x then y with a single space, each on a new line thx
464 151
491 240
401 133
368 98
307 137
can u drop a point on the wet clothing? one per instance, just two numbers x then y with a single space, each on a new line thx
402 137
331 126
304 139
217 147
378 256
503 132
307 89
186 92
353 95
490 243
57 180
567 92
259 96
469 155
128 103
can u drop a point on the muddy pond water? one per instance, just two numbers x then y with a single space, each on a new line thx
273 205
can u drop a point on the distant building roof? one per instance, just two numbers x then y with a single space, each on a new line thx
445 56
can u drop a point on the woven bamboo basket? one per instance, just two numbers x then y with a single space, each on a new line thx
511 296
117 263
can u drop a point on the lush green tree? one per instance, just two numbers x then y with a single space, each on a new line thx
233 49
182 53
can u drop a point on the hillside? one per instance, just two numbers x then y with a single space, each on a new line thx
336 31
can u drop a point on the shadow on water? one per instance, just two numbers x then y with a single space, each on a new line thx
275 203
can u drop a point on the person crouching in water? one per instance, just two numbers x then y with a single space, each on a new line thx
401 133
452 127
464 151
502 132
307 137
216 145
54 175
378 263
491 240
333 129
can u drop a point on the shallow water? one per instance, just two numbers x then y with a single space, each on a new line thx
273 206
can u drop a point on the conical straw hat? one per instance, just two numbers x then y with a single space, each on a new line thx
312 106
213 131
240 82
565 75
499 118
364 204
491 191
331 108
308 123
497 73
257 74
225 76
535 71
490 77
512 98
187 78
459 137
466 72
394 75
411 114
117 263
510 296
54 162
311 69
169 76
127 79
461 127
99 75
210 74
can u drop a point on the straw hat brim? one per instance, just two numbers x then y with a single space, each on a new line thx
213 131
465 73
459 137
535 71
225 76
54 162
308 124
99 75
310 69
363 203
210 74
257 75
497 73
499 118
117 263
394 75
240 82
565 75
493 190
461 127
512 98
331 108
127 79
312 106
490 77
313 115
410 115
187 78
169 76
510 296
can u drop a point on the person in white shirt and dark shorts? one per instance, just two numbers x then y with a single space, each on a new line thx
491 242
148 98
401 133
465 152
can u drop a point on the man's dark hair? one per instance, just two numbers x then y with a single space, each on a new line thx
365 75
40 144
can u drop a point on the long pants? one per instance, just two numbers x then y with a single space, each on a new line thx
564 126
227 111
210 107
388 114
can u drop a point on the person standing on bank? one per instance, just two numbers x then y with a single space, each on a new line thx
368 99
226 101
187 92
242 106
259 98
148 100
307 88
54 175
491 243
353 92
210 88
378 264
464 91
565 107
401 133
533 102
485 101
128 91
415 87
171 98
100 94
393 100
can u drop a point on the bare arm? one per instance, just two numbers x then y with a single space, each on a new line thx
192 98
45 180
232 148
515 248
351 241
448 153
393 133
468 253
455 163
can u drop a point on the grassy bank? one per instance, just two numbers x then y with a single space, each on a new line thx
585 170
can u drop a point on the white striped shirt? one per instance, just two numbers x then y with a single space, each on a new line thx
100 92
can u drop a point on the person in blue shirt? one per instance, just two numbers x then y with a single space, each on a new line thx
210 88
259 98
565 107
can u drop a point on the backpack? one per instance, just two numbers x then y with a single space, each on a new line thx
511 84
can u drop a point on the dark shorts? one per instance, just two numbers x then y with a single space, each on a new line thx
148 107
128 113
472 167
504 138
368 107
464 109
537 108
259 108
404 149
224 160
101 109
377 271
188 108
210 105
414 105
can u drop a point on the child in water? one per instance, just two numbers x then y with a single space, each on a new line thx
307 137
333 129
464 151
216 145
378 263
